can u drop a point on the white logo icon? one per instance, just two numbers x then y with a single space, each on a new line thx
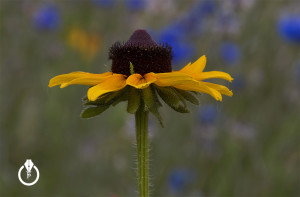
29 165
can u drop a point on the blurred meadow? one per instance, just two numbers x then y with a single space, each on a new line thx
245 146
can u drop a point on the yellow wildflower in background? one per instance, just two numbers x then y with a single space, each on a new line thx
86 43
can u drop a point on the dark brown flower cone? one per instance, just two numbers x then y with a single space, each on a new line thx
140 37
143 52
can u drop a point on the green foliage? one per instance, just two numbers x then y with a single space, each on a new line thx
148 98
175 98
106 99
152 103
155 112
134 99
93 111
188 96
170 97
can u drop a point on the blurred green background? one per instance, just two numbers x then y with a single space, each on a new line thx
245 146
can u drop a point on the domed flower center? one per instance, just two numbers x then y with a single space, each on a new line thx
143 52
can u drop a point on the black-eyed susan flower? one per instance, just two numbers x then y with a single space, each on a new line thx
141 73
141 64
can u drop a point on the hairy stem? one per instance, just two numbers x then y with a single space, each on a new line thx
141 123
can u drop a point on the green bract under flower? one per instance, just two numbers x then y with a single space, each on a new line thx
147 98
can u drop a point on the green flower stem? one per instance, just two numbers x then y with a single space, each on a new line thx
141 124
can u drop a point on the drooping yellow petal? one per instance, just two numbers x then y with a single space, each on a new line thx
140 82
112 83
199 87
211 75
196 67
173 78
65 79
89 79
222 89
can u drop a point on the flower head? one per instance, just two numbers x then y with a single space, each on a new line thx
141 72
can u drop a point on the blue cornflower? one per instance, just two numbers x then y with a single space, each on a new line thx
203 8
104 3
182 52
135 5
174 35
208 114
47 17
289 28
194 19
230 52
179 179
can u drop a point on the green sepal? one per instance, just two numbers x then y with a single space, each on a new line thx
134 100
152 103
111 98
168 96
102 103
180 97
188 96
105 99
122 96
119 99
155 112
182 109
157 102
148 98
90 112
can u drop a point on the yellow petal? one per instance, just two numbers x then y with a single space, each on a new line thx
201 88
212 74
89 79
113 83
140 82
196 67
67 78
173 78
222 89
